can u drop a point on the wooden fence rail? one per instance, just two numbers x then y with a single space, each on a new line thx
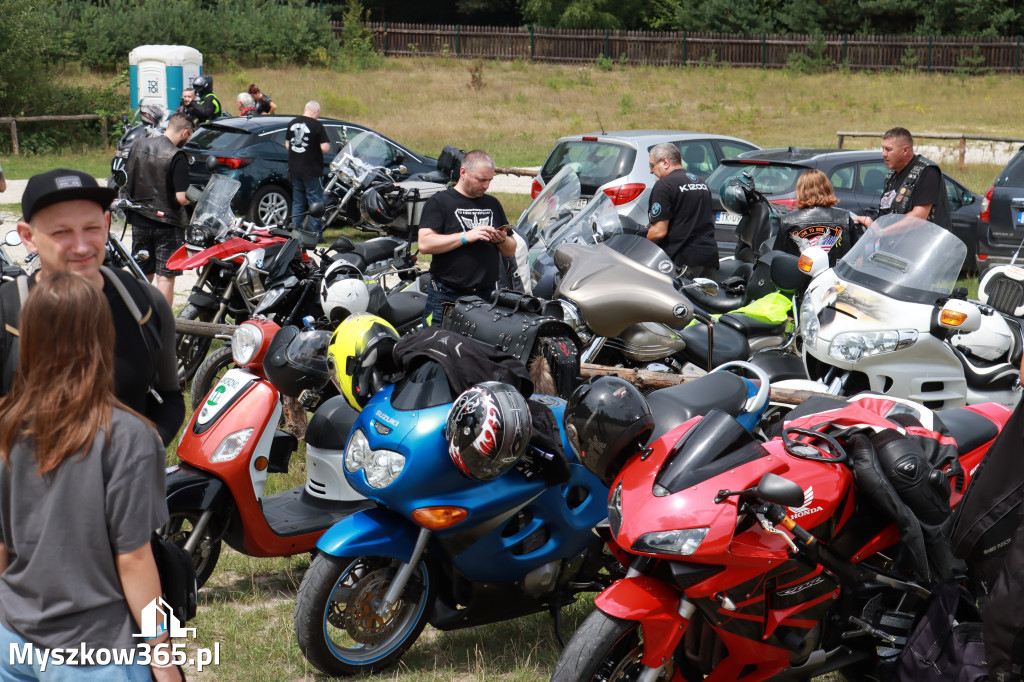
14 121
962 137
766 50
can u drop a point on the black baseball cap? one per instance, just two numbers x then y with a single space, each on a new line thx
62 184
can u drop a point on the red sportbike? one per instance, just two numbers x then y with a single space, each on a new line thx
784 559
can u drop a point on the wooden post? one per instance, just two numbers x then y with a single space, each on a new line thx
841 136
963 152
103 132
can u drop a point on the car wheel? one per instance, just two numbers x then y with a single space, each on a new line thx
270 206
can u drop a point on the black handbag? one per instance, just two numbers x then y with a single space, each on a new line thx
177 577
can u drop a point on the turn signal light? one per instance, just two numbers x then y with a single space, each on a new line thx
437 518
804 263
261 463
952 318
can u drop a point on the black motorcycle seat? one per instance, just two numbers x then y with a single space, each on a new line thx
750 326
674 405
432 176
722 302
969 429
404 308
377 249
331 424
729 345
982 375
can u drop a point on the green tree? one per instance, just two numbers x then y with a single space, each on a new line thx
22 39
610 14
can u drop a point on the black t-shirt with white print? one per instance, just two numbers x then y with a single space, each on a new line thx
472 265
684 201
305 158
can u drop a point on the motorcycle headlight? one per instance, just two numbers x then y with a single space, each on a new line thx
574 318
682 542
231 446
852 346
245 343
615 510
381 467
808 322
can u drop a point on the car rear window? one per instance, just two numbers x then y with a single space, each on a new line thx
595 162
768 178
1013 174
221 139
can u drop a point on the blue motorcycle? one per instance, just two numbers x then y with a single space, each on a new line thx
454 551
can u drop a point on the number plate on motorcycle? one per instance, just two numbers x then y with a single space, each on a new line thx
726 218
231 384
1020 218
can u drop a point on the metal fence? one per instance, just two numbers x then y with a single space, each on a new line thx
859 52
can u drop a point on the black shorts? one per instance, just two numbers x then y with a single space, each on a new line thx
161 242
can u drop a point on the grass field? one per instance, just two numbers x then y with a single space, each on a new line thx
517 115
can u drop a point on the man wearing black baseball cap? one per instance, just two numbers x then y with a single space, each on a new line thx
65 219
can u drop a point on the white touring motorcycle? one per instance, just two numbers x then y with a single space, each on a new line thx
889 318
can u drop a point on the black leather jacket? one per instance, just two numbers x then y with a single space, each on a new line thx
149 164
833 229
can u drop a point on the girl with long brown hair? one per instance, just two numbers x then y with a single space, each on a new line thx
81 491
817 222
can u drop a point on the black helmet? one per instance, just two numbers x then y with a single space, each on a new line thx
607 421
203 85
377 208
488 429
734 197
297 360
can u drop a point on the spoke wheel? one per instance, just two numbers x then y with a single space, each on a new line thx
179 529
191 349
340 623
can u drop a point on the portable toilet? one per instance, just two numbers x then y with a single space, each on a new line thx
158 73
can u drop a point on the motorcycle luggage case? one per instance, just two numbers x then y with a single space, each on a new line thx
416 199
523 326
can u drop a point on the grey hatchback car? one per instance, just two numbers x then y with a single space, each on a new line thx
616 163
1001 229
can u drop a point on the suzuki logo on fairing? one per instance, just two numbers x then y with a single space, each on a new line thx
385 418
806 509
789 592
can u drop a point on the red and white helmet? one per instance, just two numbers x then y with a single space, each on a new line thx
488 429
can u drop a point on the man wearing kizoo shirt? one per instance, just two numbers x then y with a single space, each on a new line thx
680 214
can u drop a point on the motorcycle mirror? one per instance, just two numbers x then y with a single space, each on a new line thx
12 238
142 256
124 119
120 177
708 286
316 209
402 170
775 488
212 164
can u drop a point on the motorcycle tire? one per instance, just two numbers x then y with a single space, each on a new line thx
602 648
336 625
179 529
209 373
189 348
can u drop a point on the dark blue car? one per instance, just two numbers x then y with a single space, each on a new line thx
251 150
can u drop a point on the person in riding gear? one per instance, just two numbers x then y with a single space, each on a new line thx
817 222
914 185
206 106
157 182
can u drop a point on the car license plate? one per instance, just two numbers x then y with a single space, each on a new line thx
726 218
577 204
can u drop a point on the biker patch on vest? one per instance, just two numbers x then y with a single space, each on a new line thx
823 236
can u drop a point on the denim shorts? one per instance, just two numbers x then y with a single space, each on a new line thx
28 672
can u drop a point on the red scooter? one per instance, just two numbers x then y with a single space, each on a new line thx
753 560
217 493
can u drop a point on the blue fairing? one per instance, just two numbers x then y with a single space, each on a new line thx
749 420
488 545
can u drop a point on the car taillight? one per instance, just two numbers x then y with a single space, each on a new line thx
535 188
986 203
233 163
790 202
623 194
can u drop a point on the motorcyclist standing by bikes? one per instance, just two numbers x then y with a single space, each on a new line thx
817 222
206 106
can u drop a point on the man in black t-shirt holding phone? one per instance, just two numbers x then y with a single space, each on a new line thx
307 142
458 228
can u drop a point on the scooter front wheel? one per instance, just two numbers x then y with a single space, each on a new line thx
179 529
340 624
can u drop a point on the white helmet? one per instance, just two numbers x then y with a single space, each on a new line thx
991 342
343 292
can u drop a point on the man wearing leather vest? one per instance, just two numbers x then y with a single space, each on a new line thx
817 222
914 185
157 180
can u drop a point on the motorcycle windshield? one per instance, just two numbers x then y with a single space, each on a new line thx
905 258
716 444
363 150
214 208
643 251
551 210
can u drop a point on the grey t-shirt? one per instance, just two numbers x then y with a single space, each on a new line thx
62 531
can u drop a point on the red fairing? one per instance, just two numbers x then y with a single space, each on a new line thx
233 248
655 605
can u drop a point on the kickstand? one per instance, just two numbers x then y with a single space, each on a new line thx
556 615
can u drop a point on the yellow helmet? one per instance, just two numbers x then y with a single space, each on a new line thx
359 355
